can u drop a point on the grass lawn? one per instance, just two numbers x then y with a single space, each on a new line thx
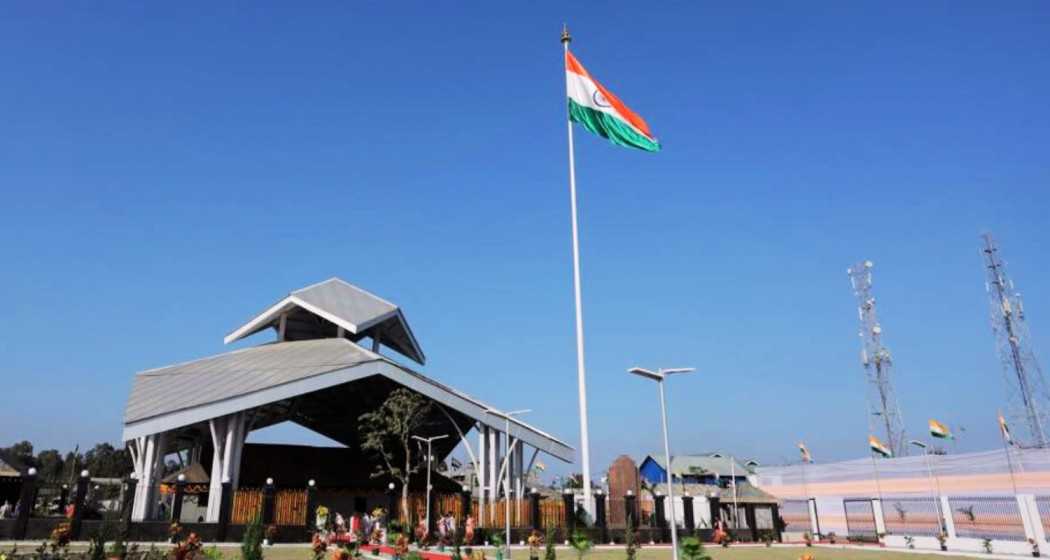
232 552
717 553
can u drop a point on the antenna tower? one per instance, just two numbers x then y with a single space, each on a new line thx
878 363
1028 399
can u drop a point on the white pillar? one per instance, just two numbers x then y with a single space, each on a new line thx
880 520
949 521
814 525
1033 526
145 474
482 472
218 440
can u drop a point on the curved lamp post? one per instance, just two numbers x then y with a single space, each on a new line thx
658 376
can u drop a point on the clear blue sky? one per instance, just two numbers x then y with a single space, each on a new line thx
168 171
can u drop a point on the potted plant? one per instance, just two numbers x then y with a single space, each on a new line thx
808 538
1035 547
942 538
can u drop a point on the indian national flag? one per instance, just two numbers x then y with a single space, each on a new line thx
1005 430
939 430
539 466
806 457
602 113
878 447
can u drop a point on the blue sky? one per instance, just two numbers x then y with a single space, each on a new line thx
169 171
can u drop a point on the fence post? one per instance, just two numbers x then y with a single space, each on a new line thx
26 501
569 500
78 504
534 509
687 509
63 499
661 516
778 525
749 517
180 494
267 505
391 505
599 515
309 524
814 519
126 505
225 505
630 515
431 497
465 504
716 509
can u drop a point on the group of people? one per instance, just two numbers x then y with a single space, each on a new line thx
369 527
7 510
446 530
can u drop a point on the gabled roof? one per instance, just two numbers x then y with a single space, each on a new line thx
8 470
318 311
708 463
185 394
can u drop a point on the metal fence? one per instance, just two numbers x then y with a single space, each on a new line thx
987 517
795 514
860 520
1043 504
912 516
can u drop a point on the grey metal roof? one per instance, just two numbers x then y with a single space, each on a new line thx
706 463
169 389
316 311
184 394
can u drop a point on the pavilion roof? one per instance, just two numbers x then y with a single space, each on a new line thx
322 384
319 310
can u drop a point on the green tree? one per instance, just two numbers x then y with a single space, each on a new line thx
104 460
388 430
50 465
20 453
693 549
629 540
549 552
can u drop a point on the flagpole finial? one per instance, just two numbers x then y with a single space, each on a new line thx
565 37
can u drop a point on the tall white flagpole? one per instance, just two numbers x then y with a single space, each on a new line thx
580 369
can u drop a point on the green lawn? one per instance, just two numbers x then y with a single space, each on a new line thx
231 552
717 553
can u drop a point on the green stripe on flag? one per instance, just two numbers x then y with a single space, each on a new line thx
608 126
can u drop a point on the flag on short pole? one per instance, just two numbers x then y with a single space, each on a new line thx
601 112
806 457
1005 430
539 466
878 447
939 430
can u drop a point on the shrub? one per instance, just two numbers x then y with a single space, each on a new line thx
251 545
581 544
909 541
693 549
987 543
549 552
629 540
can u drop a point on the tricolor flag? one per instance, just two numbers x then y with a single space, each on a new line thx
602 113
1005 430
539 466
806 457
878 447
939 430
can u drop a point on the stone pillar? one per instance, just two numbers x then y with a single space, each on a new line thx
78 505
26 501
716 510
687 510
180 494
534 509
268 502
661 516
600 520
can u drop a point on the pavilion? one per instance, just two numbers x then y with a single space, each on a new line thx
319 374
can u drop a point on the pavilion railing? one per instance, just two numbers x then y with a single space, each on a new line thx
919 516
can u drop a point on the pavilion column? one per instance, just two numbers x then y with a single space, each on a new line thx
149 466
493 474
218 440
482 472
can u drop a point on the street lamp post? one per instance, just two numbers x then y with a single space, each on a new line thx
430 457
935 483
506 467
659 376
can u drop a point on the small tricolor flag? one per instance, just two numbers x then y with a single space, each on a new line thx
878 447
539 466
1005 430
939 430
806 457
602 113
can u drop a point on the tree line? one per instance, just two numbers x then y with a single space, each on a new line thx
103 460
